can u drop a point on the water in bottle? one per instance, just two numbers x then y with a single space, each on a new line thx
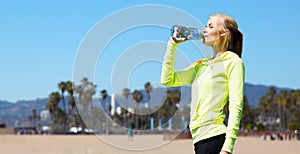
184 32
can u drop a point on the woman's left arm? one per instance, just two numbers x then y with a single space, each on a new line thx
236 77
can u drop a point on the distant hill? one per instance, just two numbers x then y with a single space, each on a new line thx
11 113
14 113
21 107
255 92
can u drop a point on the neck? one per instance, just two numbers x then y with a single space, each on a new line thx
217 51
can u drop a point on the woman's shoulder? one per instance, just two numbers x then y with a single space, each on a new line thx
231 56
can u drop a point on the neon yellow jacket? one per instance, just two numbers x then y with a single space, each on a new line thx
214 83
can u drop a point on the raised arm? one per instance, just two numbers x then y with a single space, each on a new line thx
168 75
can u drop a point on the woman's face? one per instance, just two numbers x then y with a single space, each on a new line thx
211 33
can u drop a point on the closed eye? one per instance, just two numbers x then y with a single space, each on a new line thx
210 25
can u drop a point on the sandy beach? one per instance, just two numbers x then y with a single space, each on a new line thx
118 144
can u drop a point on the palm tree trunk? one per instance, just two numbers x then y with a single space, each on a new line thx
64 106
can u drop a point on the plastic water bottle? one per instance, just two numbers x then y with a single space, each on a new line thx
184 32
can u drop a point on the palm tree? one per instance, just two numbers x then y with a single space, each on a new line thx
246 113
297 103
282 100
126 94
148 87
53 100
52 107
137 97
176 96
33 118
90 92
62 86
70 91
85 92
293 107
71 101
80 91
168 108
267 106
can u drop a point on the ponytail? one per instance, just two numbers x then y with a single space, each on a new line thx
235 43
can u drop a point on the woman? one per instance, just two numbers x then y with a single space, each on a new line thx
215 81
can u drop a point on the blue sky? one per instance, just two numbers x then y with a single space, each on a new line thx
39 42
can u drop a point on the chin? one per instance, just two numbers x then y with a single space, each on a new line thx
209 42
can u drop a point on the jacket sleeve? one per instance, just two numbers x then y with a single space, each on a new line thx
236 73
168 76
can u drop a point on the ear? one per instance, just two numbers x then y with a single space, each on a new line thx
226 31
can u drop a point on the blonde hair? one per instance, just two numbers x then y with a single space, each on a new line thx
234 41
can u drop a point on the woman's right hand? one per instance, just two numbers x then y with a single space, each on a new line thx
178 40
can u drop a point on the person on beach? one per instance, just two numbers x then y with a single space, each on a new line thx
130 129
215 81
